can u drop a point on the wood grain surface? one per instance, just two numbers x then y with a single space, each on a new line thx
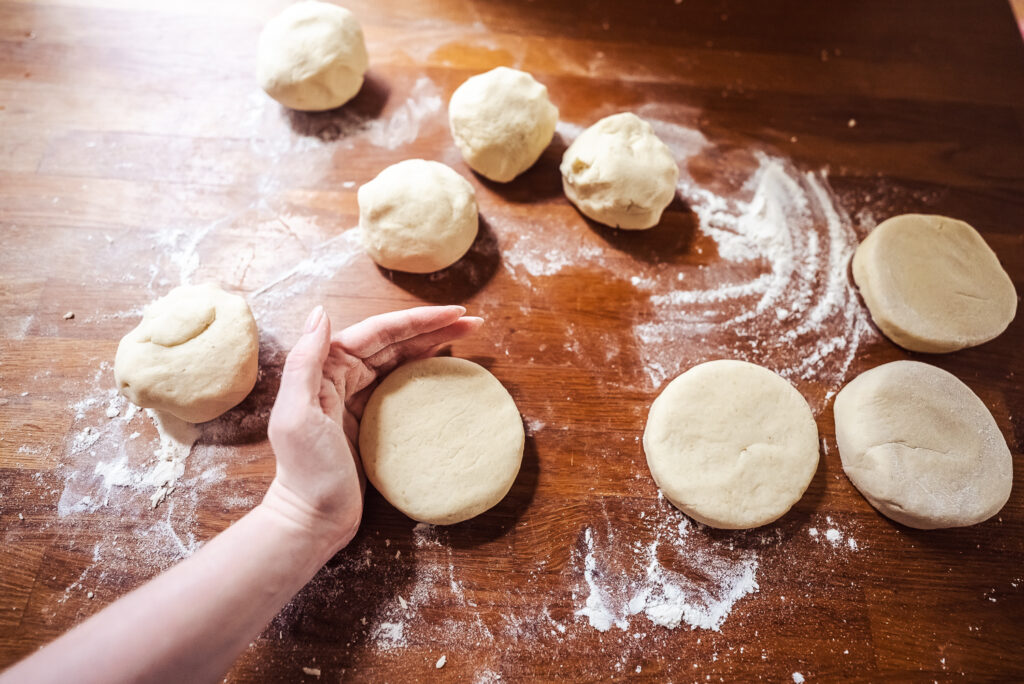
137 152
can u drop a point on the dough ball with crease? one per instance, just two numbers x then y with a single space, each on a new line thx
932 284
619 173
195 354
442 440
501 121
921 447
731 444
312 56
417 216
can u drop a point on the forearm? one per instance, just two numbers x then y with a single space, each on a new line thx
190 623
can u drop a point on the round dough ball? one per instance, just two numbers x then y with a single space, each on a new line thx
731 444
417 216
442 440
922 447
312 56
501 121
619 173
195 354
932 284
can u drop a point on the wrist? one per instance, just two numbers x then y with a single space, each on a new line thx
325 536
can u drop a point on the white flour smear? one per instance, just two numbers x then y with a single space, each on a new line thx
403 126
324 262
538 259
699 590
108 454
782 298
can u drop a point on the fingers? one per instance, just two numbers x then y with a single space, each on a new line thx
368 337
304 367
330 401
388 358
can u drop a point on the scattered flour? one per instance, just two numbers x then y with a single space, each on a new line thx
538 259
324 262
699 592
782 298
403 126
176 440
597 610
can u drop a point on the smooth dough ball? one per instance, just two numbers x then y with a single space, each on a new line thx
417 216
731 444
932 284
922 447
501 121
312 56
195 354
442 440
619 173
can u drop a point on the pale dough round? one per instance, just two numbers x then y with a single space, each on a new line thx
195 354
442 440
731 444
501 121
312 56
619 173
922 447
417 216
932 284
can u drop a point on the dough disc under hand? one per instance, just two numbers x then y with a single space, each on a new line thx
731 444
442 440
922 447
932 284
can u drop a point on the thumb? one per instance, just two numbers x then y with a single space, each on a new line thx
303 369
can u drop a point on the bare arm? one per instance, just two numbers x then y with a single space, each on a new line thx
191 622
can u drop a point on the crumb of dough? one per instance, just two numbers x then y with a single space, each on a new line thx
440 662
69 315
311 671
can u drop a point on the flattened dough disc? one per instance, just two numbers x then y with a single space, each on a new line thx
922 447
932 284
731 444
442 440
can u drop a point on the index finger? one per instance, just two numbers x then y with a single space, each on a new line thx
366 338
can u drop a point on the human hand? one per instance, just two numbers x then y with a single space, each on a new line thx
314 425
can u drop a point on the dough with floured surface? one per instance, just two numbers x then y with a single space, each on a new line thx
921 447
417 216
619 173
194 355
312 56
501 121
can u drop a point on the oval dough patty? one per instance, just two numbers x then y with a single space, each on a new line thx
442 440
731 444
932 284
922 447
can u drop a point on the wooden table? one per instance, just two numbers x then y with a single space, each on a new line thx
137 152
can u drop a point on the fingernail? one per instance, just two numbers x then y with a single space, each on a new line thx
314 319
462 309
